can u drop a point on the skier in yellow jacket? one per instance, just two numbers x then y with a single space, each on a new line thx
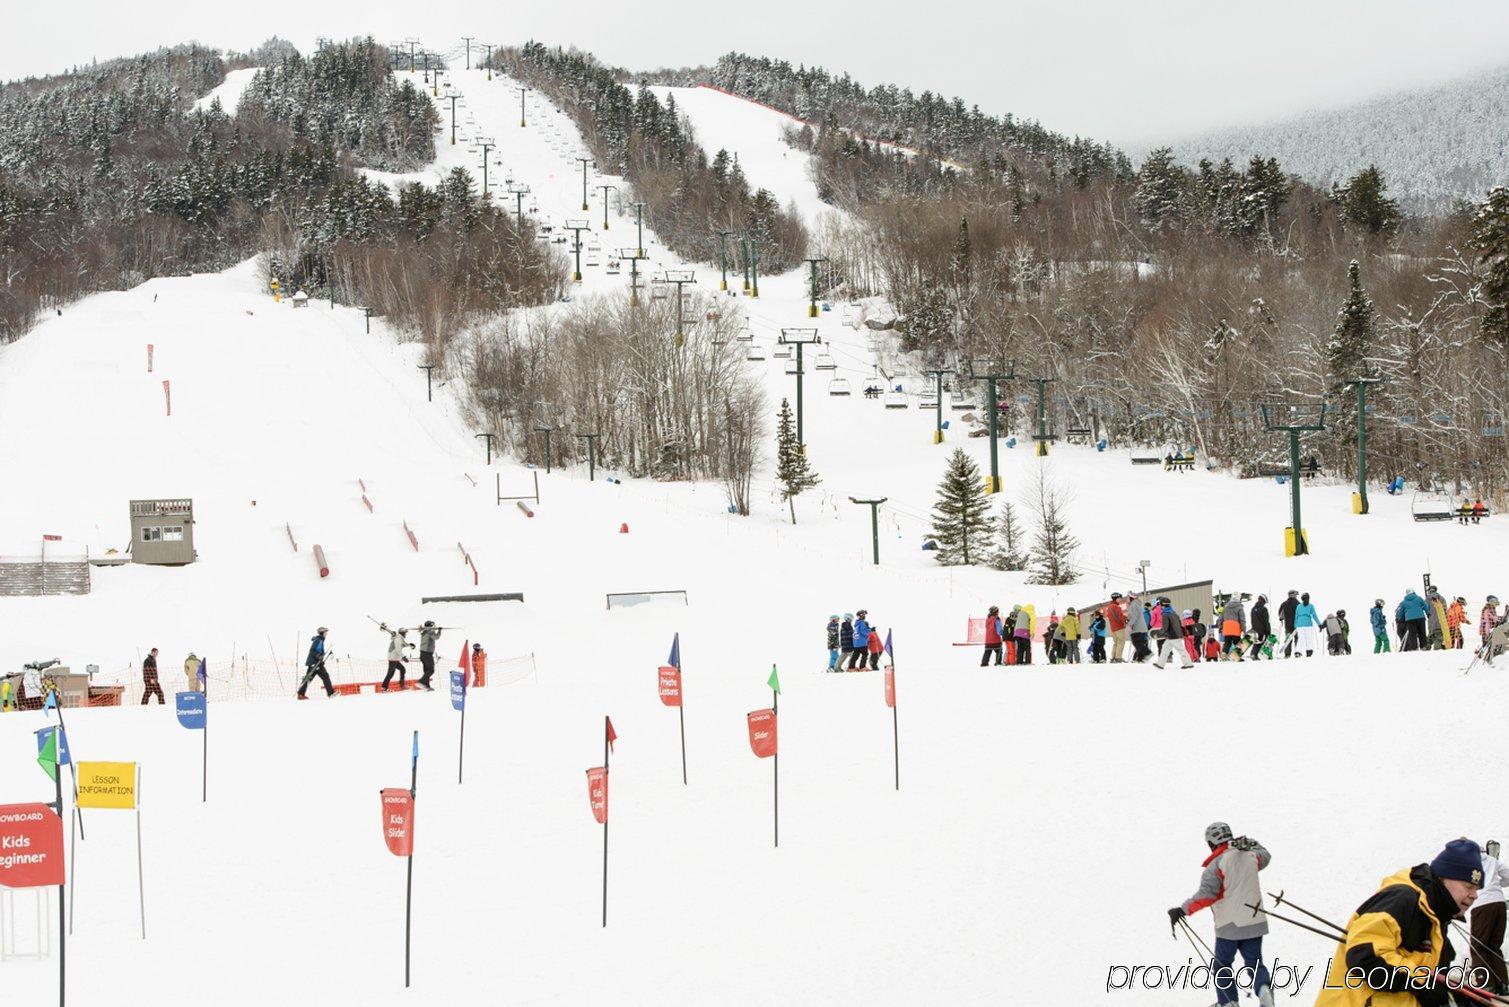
1397 942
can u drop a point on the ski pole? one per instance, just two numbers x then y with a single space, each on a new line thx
1279 900
1303 926
1189 932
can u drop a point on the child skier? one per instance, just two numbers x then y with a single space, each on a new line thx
1213 643
1333 634
1346 631
1456 615
1098 639
845 639
992 637
1380 628
875 645
833 631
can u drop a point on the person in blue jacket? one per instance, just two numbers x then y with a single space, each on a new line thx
1411 612
1098 639
1380 628
314 665
861 638
1306 623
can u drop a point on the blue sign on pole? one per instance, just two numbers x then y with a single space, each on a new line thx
42 735
190 709
458 690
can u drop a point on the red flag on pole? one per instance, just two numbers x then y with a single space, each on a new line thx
398 820
762 733
465 664
597 793
670 685
612 734
890 686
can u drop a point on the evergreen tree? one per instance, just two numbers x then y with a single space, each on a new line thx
1365 206
793 472
962 525
1348 352
1008 554
1160 191
1490 239
1052 554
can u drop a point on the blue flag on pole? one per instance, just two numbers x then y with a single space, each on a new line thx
416 746
889 652
45 733
201 672
191 710
458 690
675 659
51 702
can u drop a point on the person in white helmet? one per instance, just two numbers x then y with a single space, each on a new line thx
1229 887
1488 919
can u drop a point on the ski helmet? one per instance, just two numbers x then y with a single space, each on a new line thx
1378 602
1491 847
322 631
1493 599
1217 833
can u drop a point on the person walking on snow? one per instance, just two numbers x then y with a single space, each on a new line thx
1286 619
1068 628
1116 622
833 630
1021 635
398 655
845 640
992 637
1380 628
861 640
1412 613
429 633
149 684
1262 628
1456 616
1435 620
479 666
1172 634
1098 638
1229 887
1306 623
1137 629
1399 939
1233 625
191 674
314 664
1487 919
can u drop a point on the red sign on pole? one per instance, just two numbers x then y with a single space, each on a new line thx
167 395
762 733
597 793
670 685
890 686
398 821
31 846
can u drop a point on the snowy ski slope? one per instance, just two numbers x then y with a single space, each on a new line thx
1047 816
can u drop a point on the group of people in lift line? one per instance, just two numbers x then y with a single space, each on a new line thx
854 644
1158 633
1395 946
314 664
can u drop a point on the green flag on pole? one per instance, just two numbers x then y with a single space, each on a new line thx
48 757
774 681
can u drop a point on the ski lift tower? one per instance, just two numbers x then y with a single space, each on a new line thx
1006 371
1042 436
1294 419
812 264
799 338
577 227
519 192
680 277
485 144
1360 500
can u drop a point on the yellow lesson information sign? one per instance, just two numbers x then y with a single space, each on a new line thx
107 785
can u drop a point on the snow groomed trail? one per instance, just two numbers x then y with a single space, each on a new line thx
1031 799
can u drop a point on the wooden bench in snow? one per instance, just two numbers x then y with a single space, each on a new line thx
1153 460
975 637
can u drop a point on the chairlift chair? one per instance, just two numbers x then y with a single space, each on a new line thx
824 362
895 400
929 400
958 400
754 352
790 365
838 386
783 350
613 267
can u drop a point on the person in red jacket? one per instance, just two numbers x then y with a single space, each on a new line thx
875 646
1116 623
992 636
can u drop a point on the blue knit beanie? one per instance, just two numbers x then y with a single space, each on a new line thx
1461 860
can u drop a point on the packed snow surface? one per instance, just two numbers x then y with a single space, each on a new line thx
229 91
1047 816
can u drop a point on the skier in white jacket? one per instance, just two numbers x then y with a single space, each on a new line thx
1488 919
1229 887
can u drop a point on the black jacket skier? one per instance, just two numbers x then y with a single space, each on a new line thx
1261 627
846 635
1286 612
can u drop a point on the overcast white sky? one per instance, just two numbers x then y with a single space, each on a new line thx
1127 72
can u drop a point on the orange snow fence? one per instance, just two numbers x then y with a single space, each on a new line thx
319 561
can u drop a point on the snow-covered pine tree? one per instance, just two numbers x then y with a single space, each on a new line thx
1160 195
962 525
1347 354
1490 239
1052 555
793 472
1364 204
1008 553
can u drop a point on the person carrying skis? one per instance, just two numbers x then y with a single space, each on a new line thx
1069 631
1456 616
1380 628
992 637
149 684
1229 886
1172 635
429 633
1306 626
861 641
1398 940
1487 919
1116 622
833 628
1412 613
1233 625
1098 638
314 665
1286 619
1137 629
398 655
845 639
1262 629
